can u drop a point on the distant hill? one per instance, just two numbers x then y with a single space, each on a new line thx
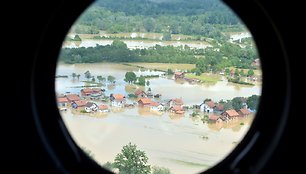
158 7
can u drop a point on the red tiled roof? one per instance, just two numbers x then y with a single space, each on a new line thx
178 101
139 91
103 107
153 104
220 107
80 103
62 100
245 111
210 104
145 101
87 90
72 97
177 108
178 73
180 112
118 97
232 113
213 117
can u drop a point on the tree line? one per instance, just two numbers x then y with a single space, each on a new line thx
196 17
206 60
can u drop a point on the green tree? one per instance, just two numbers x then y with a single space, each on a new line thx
148 83
250 73
93 79
170 72
77 38
111 79
236 72
252 102
160 170
167 36
78 76
87 75
130 77
132 160
73 75
227 71
198 72
142 81
100 78
237 103
241 73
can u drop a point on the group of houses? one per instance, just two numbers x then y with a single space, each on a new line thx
88 98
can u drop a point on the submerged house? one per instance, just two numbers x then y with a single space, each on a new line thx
244 112
214 118
140 93
91 107
144 102
72 97
230 114
179 75
79 104
62 102
208 106
103 108
154 106
117 100
176 101
177 109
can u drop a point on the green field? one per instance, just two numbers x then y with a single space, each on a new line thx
205 77
164 66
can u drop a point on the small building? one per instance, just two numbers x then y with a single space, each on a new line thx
103 108
144 102
154 106
72 97
177 109
230 114
140 93
91 107
208 106
90 91
176 101
214 118
179 75
118 100
244 112
78 104
62 102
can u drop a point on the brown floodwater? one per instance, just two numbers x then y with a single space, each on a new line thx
181 143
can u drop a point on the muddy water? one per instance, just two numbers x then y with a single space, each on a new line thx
169 140
133 44
169 88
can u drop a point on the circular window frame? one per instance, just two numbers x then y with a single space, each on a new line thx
249 156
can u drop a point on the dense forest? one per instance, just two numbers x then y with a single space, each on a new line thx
209 59
207 18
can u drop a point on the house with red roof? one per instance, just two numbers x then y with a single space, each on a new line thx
179 75
117 100
144 102
140 93
244 112
176 101
72 97
208 106
214 118
230 114
79 104
177 109
62 102
103 108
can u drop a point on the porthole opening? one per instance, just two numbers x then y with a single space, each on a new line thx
158 86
